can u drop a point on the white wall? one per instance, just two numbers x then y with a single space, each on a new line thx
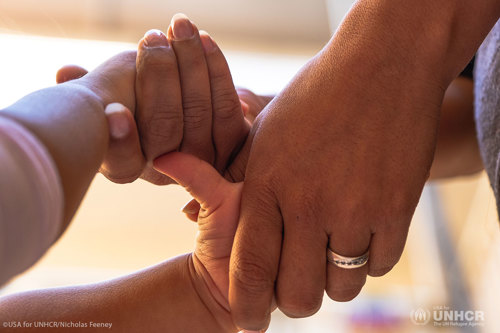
288 21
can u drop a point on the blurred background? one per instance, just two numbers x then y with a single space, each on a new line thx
452 258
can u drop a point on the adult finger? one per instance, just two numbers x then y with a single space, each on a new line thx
348 239
70 72
303 258
123 146
195 85
235 172
159 102
386 248
198 177
255 257
229 128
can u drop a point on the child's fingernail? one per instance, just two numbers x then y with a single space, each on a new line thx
182 28
155 38
118 124
207 41
191 208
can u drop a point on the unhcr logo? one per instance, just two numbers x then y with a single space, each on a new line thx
443 316
420 316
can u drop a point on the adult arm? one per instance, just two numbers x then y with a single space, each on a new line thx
340 157
457 151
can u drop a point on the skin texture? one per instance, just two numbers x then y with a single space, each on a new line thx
205 120
173 293
201 279
76 110
359 132
373 122
456 138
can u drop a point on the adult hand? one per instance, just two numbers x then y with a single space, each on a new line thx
220 204
252 105
186 101
217 221
338 161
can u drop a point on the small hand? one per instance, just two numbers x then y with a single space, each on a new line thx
252 105
186 101
217 220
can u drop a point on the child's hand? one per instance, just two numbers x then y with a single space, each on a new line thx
112 81
186 101
217 219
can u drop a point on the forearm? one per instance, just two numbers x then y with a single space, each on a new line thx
164 298
430 40
69 120
389 64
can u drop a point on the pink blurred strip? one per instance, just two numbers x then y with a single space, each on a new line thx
31 199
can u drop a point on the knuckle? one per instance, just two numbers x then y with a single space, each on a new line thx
304 215
197 111
400 208
195 121
252 277
156 60
119 177
163 127
226 107
196 104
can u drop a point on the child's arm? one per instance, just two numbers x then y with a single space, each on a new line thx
184 294
51 144
70 124
69 120
158 298
169 297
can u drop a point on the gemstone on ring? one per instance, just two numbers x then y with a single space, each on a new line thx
347 262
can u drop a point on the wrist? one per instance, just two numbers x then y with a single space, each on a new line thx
113 81
209 294
378 38
421 39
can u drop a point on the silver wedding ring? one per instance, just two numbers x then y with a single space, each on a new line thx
347 262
